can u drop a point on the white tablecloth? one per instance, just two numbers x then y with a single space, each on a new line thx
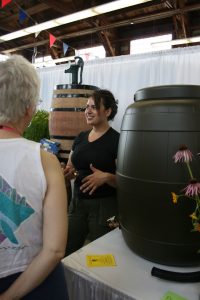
130 280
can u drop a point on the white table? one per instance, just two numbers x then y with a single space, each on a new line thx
130 280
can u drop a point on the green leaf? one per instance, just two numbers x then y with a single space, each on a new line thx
39 127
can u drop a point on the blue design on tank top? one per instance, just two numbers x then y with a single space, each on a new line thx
13 211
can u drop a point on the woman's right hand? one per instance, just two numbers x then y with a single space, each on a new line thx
69 172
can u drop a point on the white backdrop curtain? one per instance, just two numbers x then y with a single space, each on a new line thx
124 75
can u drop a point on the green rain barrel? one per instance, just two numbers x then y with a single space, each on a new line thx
153 128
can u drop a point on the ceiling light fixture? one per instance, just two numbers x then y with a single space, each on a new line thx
189 40
80 15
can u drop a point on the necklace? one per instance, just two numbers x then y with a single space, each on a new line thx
8 128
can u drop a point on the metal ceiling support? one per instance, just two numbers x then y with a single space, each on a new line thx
138 20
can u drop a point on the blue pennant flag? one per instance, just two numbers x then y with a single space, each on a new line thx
65 48
22 15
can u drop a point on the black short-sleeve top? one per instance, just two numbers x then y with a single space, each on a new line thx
101 153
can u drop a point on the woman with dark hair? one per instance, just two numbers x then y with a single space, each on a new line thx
92 163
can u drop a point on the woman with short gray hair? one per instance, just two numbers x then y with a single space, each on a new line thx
19 88
33 208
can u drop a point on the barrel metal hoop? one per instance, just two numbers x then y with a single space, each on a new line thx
74 109
64 151
76 86
70 95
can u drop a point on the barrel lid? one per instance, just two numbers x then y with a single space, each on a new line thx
168 92
76 86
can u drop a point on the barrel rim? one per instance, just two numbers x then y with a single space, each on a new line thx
163 92
76 86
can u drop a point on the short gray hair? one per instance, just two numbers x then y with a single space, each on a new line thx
19 88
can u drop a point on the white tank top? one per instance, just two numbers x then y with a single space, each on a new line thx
22 190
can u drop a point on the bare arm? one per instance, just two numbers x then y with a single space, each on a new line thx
54 232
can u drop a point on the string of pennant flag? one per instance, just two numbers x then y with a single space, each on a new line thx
23 15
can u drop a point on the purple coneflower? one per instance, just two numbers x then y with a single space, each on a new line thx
193 189
183 155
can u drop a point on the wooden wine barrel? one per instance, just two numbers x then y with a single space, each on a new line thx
67 117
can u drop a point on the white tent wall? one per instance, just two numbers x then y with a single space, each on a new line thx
124 75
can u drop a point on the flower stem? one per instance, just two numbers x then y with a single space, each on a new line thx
197 203
189 170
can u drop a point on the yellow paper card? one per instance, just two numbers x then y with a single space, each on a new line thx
100 260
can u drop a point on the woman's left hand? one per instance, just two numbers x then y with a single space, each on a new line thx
93 181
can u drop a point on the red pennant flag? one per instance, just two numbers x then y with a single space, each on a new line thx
51 39
5 2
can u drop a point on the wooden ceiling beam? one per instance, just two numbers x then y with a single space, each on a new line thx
184 20
181 21
103 36
5 29
61 7
54 53
138 20
9 24
31 11
169 4
82 4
